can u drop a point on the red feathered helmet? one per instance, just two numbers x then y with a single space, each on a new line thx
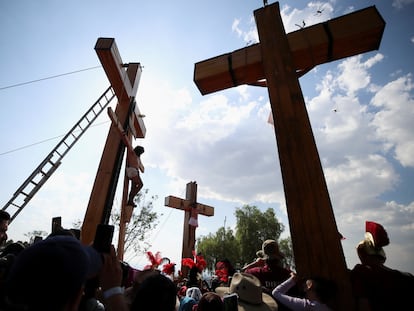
378 233
375 238
154 259
199 262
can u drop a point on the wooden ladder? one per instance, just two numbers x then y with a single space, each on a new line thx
53 160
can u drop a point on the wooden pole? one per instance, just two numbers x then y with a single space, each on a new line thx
315 237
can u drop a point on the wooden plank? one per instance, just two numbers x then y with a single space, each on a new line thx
314 234
355 33
137 123
110 58
125 82
181 204
118 126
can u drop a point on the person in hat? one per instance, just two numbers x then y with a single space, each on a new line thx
250 296
318 292
376 286
268 267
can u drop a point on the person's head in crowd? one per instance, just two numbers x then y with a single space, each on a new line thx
50 274
138 278
210 301
194 292
250 295
182 290
155 292
7 257
320 289
223 273
191 298
62 231
12 249
370 250
4 226
270 252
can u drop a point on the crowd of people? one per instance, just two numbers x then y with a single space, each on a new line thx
60 273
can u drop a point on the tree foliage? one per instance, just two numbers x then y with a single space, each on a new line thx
253 227
285 246
218 246
143 221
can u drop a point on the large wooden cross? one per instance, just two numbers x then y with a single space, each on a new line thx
124 79
277 62
187 204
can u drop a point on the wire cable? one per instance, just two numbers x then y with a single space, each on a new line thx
43 141
47 78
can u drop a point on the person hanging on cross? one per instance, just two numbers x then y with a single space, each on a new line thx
133 168
133 159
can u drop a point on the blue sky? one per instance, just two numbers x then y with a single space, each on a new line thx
221 140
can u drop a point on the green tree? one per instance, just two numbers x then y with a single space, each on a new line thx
143 221
254 227
218 246
285 246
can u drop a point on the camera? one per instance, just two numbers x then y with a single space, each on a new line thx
103 238
230 302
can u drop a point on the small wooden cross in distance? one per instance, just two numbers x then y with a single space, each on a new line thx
186 205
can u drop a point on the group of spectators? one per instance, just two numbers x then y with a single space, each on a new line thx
59 273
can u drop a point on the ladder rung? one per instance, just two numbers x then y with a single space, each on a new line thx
34 183
51 162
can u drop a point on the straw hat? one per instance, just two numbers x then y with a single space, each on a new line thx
249 292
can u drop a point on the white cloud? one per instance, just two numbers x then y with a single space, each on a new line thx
315 12
399 4
250 35
354 75
235 27
394 122
358 181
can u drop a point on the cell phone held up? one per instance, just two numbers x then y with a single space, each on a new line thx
230 302
103 238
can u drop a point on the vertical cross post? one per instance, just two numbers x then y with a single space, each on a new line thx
315 238
187 204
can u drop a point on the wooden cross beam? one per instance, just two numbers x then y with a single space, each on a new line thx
187 204
348 35
124 80
280 59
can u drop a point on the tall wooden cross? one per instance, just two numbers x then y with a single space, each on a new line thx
277 62
187 204
124 81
